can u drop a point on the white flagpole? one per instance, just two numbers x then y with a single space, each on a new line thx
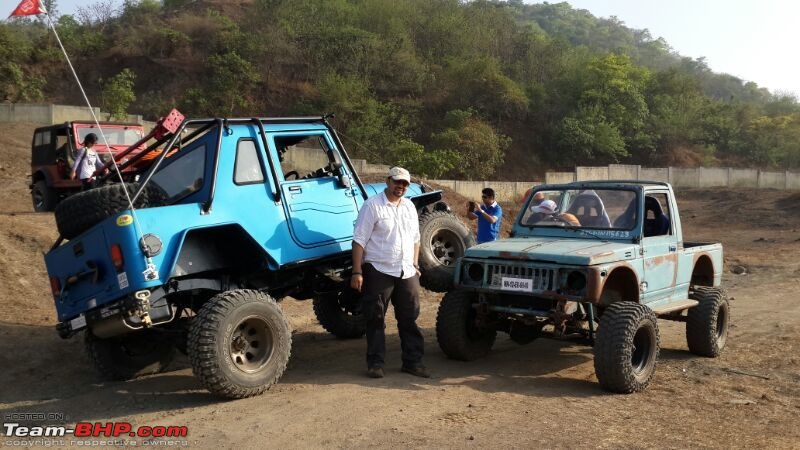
151 269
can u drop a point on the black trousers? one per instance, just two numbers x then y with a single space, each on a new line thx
379 289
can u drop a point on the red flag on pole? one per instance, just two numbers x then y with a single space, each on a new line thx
28 8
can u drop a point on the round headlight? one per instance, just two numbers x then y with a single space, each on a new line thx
576 281
475 272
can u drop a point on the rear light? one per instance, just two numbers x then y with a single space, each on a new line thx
117 258
55 286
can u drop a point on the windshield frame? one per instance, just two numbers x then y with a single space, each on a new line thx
81 130
562 228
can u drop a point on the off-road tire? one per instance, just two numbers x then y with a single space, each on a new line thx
83 210
456 331
239 343
339 314
626 347
443 239
707 323
128 356
43 197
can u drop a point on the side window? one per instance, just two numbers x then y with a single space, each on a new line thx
40 137
247 168
183 175
306 156
657 220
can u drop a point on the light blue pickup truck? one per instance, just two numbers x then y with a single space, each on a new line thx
598 261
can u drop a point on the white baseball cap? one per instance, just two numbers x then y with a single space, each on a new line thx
398 173
546 207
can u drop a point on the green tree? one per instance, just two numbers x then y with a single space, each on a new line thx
118 94
423 163
588 138
479 147
230 81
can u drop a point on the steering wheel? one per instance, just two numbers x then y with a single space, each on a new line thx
291 173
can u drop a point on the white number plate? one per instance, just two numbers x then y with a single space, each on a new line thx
122 280
516 284
78 322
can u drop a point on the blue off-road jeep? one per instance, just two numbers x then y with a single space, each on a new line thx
607 254
238 214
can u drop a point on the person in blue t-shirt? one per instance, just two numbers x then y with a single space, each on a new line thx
488 213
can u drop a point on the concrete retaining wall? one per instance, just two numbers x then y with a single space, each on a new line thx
559 177
697 177
591 173
623 172
744 178
792 180
654 174
47 114
712 177
774 180
684 177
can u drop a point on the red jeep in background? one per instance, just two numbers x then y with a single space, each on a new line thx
53 151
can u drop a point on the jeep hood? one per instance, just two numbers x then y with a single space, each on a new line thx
583 252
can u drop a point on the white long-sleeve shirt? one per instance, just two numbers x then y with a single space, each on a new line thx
388 234
87 162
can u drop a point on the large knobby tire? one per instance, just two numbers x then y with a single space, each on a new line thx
339 313
626 347
457 332
239 343
707 323
44 197
128 356
443 239
83 210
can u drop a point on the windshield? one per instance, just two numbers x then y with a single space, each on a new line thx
603 209
183 176
114 135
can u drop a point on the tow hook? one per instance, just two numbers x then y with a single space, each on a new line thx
143 307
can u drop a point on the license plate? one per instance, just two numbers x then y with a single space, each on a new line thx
516 284
78 322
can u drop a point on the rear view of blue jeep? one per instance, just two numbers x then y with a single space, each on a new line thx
231 216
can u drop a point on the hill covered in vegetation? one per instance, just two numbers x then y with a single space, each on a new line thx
468 89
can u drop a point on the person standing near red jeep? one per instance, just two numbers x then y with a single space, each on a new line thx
87 163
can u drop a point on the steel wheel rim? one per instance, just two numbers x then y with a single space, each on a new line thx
251 344
446 247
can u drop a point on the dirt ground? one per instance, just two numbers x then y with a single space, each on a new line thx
542 394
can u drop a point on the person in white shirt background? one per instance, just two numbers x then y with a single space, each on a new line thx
87 163
385 267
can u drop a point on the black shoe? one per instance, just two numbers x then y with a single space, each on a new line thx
417 371
375 372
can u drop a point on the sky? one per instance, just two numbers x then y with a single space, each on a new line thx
754 40
749 39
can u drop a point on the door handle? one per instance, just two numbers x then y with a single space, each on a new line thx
673 248
295 189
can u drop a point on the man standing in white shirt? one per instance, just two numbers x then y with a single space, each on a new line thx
385 255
